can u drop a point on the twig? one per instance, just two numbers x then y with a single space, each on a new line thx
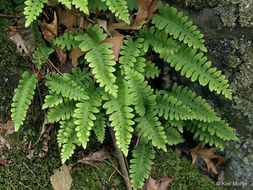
121 161
9 16
102 186
20 183
29 169
139 136
109 179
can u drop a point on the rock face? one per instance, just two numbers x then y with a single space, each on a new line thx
228 29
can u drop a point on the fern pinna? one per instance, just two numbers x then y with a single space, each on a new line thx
120 94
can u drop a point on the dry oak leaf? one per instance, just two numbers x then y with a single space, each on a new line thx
61 180
71 18
2 162
160 184
146 8
207 155
116 40
8 127
94 158
50 31
62 55
74 54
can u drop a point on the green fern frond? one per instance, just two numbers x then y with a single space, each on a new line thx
172 136
99 126
179 124
22 98
152 129
193 65
130 55
67 139
219 128
200 109
141 164
100 57
151 70
52 100
132 5
63 111
97 4
85 116
119 8
32 10
67 41
142 94
175 24
159 41
67 3
121 114
82 78
206 136
66 87
82 5
41 54
171 108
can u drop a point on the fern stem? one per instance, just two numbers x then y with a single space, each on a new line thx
121 160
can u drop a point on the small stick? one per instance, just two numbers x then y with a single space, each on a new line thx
29 169
139 136
121 161
9 16
97 178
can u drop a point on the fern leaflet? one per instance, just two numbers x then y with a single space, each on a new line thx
175 24
121 115
141 164
67 41
99 57
119 8
63 111
172 136
151 70
22 98
67 139
85 115
67 3
152 129
65 87
32 10
99 127
41 54
82 5
194 66
52 100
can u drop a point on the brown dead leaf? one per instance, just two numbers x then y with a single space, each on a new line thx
151 184
8 127
207 155
49 30
71 18
62 55
46 136
164 182
94 158
61 180
74 54
146 8
3 143
117 41
103 24
20 43
2 162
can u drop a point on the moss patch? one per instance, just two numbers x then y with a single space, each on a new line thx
187 177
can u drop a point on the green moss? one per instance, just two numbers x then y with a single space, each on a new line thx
187 177
40 169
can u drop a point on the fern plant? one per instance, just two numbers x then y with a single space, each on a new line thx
119 93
